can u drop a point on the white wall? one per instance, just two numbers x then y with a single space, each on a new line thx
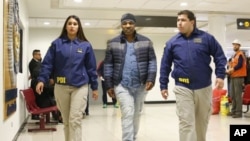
155 94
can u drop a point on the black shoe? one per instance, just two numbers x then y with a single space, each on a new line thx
230 114
237 116
84 115
35 117
60 120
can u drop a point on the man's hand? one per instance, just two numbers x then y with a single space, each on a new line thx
111 92
164 93
101 78
51 82
149 86
95 94
230 70
39 87
219 83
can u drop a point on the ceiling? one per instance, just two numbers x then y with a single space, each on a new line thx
106 14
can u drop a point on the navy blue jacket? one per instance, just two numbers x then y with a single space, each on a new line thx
71 63
191 58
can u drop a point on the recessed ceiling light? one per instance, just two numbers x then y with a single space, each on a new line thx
87 24
183 4
46 23
77 1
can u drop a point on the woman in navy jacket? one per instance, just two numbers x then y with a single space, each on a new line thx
72 61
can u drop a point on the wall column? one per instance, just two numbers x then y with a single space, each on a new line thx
217 27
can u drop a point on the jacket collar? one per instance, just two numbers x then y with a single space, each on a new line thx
196 31
123 37
66 39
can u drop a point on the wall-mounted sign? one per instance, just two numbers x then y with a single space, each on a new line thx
243 24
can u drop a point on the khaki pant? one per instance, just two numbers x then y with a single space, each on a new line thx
193 110
71 101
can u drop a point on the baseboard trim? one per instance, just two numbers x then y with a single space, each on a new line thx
21 128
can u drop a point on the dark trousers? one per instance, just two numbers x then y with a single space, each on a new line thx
104 95
87 106
236 94
46 99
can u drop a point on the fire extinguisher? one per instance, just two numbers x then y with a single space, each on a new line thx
224 106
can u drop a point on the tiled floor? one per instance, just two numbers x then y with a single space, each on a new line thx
158 123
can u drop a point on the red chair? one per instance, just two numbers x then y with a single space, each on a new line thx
44 113
246 97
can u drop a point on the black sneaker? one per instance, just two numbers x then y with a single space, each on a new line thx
35 117
60 120
237 116
230 114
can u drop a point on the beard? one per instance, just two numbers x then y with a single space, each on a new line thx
236 49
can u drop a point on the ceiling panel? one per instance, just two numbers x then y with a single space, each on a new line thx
104 3
71 3
108 24
157 4
39 22
106 14
131 4
176 5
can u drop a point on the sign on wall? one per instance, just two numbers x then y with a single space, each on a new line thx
243 24
11 57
